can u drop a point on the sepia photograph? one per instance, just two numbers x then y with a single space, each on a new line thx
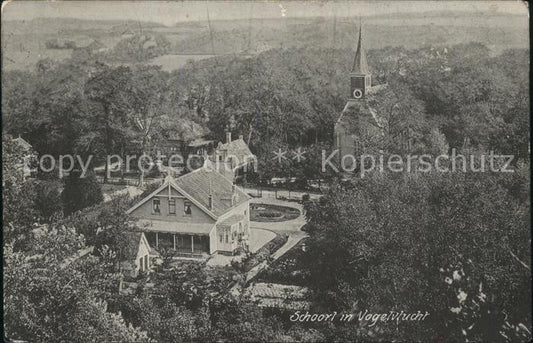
266 171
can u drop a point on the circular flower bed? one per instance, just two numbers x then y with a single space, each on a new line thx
272 213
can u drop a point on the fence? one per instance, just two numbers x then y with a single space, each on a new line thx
282 194
126 181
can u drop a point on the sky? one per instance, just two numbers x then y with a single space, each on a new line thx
171 12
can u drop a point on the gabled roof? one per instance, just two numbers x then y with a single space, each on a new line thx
205 181
359 63
237 148
200 142
232 220
23 143
133 241
197 186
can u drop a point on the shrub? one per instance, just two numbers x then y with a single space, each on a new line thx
80 192
48 199
264 253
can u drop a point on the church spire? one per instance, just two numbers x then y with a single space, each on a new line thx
359 63
360 78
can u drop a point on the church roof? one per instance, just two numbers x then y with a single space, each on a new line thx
360 65
354 111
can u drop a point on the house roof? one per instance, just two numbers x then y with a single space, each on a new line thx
22 143
232 220
175 227
199 142
204 181
198 186
279 296
237 148
133 241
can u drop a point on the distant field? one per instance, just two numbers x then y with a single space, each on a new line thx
23 42
173 62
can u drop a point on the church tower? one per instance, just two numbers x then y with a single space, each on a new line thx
360 77
358 128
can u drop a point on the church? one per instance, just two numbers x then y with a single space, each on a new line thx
358 129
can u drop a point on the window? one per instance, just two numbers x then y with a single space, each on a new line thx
221 238
172 206
227 238
156 209
187 208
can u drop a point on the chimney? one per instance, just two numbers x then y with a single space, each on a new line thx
228 137
241 137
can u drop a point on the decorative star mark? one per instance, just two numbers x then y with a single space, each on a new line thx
299 155
280 155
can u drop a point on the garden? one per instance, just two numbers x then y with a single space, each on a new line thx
272 213
288 269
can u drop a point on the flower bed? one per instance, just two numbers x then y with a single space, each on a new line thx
272 213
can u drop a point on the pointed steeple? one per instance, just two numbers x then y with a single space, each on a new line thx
359 63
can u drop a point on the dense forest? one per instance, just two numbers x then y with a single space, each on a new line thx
285 98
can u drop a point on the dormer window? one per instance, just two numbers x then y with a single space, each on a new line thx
156 206
172 206
187 212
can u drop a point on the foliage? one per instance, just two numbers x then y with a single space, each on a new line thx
404 235
278 99
80 192
138 48
19 212
288 269
45 300
263 254
48 200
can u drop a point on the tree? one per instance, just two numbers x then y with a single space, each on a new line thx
80 192
48 200
19 212
404 237
110 128
46 300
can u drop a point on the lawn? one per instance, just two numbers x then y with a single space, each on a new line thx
259 238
